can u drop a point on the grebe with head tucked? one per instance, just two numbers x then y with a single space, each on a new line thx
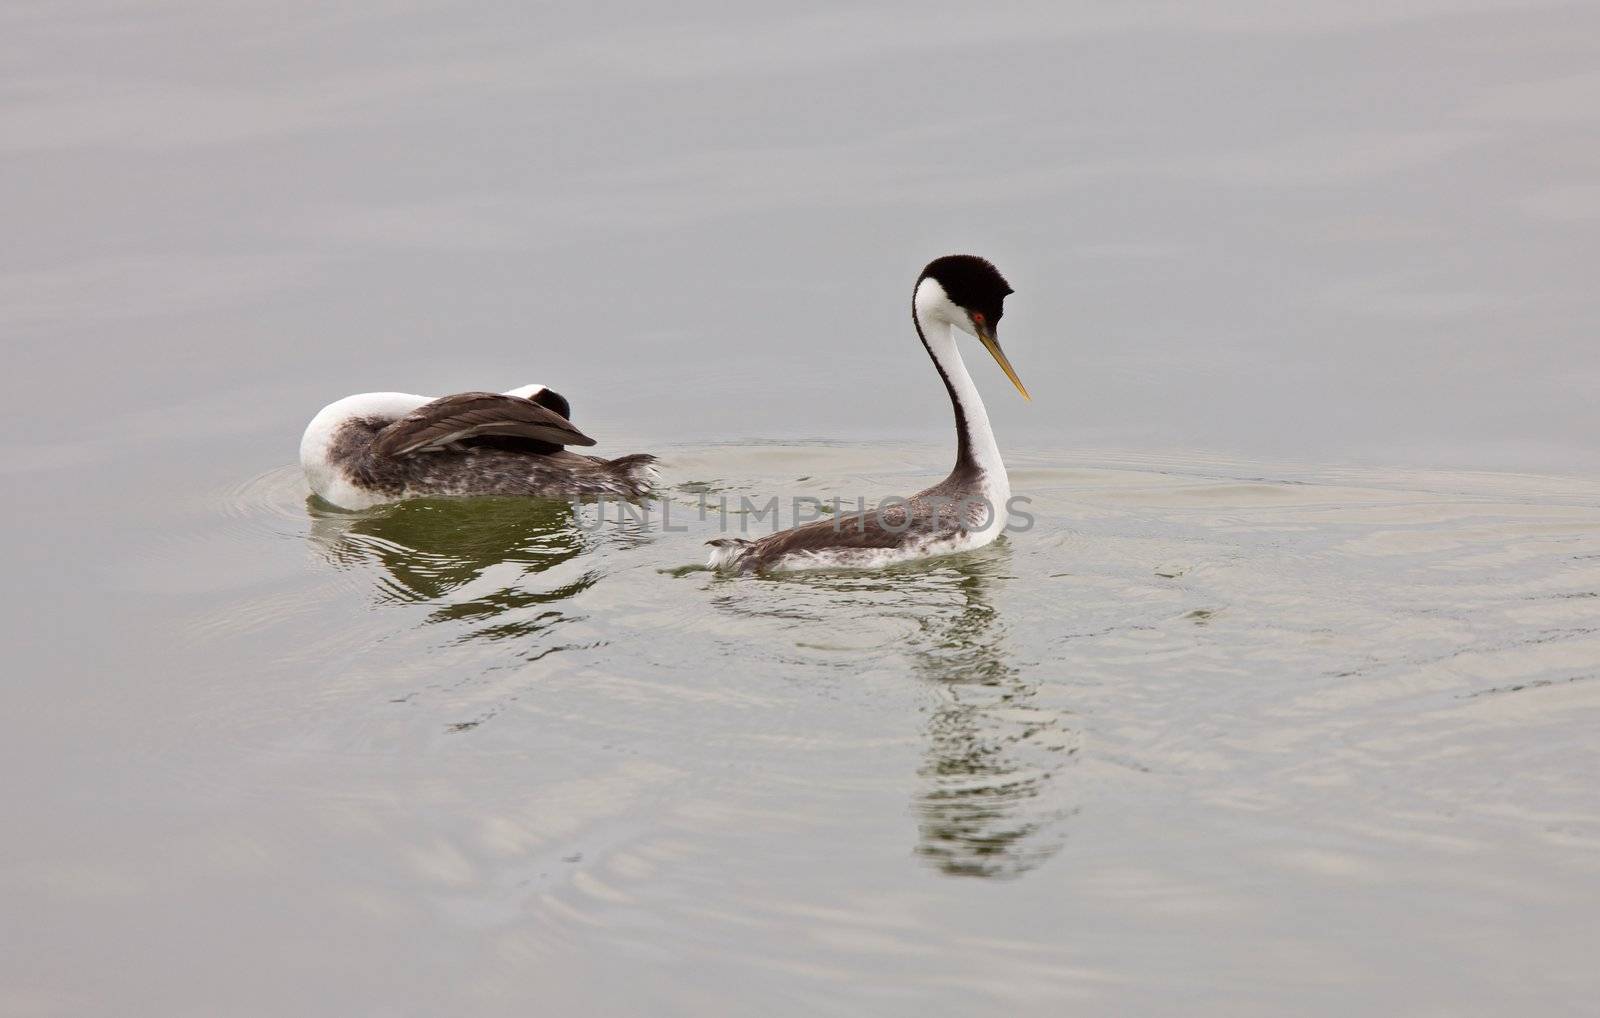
384 446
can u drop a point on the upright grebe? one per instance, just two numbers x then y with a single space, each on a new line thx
965 510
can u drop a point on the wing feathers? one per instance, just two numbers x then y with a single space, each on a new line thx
471 414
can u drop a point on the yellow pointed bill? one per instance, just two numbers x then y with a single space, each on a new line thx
993 346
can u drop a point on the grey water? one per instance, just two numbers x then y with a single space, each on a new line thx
1285 704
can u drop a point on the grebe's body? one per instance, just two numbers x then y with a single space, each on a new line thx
380 447
968 508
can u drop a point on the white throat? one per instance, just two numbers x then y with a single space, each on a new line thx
937 318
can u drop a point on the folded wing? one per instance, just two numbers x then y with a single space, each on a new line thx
468 415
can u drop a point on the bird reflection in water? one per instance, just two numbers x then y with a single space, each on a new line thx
984 808
476 560
984 804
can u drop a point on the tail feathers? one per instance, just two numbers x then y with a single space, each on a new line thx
726 551
637 471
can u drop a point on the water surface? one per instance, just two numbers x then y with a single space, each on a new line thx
1256 737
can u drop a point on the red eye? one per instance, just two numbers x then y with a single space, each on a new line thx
977 316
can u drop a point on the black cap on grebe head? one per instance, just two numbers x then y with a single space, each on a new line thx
971 282
977 288
552 400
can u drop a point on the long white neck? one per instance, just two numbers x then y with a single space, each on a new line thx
976 450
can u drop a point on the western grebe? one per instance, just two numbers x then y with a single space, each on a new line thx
965 510
383 446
